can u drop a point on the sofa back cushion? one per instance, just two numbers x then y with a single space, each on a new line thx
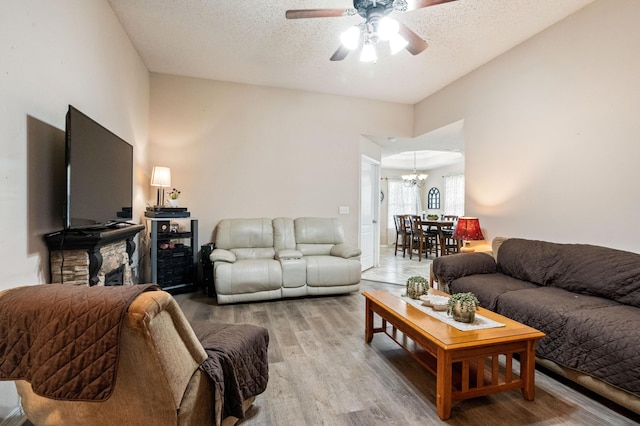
284 237
316 236
247 238
580 268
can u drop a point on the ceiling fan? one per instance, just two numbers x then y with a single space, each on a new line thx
377 26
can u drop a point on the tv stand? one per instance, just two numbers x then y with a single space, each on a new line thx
85 256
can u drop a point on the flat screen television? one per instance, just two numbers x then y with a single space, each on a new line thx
99 175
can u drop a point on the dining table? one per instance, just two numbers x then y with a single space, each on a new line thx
439 225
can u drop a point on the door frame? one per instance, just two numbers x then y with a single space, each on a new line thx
374 198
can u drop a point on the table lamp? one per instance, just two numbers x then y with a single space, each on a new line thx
468 229
161 177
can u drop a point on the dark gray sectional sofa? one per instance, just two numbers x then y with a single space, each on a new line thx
585 298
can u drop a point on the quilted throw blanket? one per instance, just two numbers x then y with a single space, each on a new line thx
63 339
237 363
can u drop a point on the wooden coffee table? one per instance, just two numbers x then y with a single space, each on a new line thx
465 363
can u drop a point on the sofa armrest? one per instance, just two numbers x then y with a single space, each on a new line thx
222 255
345 251
449 268
288 254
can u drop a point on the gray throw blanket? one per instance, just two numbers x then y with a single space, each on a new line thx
237 363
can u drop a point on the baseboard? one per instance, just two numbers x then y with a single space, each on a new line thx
15 418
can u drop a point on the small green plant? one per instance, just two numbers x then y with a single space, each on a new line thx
417 286
467 301
174 194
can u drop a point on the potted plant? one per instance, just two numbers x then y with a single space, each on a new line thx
173 197
417 286
463 307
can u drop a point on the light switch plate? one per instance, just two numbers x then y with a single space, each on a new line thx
344 209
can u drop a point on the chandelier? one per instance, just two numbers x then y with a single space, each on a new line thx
414 179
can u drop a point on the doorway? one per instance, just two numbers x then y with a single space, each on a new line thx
369 212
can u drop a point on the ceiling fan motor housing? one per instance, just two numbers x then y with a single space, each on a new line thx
373 8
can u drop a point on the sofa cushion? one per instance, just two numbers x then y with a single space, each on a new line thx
488 287
318 230
600 271
248 276
244 233
332 271
604 343
548 309
579 268
528 260
284 237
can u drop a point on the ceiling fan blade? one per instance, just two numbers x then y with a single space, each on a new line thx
315 13
419 4
340 54
416 43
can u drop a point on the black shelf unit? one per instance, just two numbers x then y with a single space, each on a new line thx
173 265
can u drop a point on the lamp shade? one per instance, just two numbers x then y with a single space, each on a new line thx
468 229
161 176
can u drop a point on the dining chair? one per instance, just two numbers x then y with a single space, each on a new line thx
451 245
403 235
423 241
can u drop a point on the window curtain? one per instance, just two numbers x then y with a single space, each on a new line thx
402 200
454 195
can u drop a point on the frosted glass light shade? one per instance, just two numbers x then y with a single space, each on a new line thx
397 43
388 28
350 38
368 53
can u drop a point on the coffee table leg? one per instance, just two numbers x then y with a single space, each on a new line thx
528 371
444 384
368 323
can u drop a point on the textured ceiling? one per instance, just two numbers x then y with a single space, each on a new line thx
252 42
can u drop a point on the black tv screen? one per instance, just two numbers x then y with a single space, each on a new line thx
99 171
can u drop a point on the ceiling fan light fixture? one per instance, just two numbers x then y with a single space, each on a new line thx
368 53
397 43
388 28
350 38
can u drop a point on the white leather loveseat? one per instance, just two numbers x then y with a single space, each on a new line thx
261 259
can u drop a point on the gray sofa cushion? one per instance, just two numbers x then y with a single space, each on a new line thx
548 309
528 260
579 268
488 287
606 334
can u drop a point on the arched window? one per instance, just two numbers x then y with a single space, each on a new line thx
433 198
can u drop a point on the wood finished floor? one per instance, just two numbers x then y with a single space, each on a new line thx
323 373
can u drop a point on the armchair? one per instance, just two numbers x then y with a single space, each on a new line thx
158 376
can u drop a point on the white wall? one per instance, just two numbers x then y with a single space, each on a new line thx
55 53
248 151
552 135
